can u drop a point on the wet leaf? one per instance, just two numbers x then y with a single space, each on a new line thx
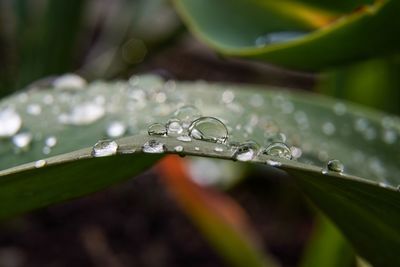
308 35
315 129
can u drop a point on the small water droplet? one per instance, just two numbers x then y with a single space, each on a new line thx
227 96
153 146
178 148
40 163
296 152
197 148
46 150
10 122
278 37
104 148
218 149
69 81
186 114
339 109
184 138
116 129
335 166
22 140
389 136
208 129
273 163
328 128
174 127
278 149
34 109
83 114
51 141
246 151
157 129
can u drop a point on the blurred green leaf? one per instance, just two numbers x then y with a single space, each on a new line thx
327 247
319 128
325 36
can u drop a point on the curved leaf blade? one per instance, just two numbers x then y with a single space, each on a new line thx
344 36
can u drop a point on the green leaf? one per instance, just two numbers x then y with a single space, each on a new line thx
362 201
331 34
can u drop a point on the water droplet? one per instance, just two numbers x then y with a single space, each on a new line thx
218 149
116 129
40 163
51 141
69 81
157 129
278 149
273 163
227 96
278 37
46 150
22 140
197 148
187 114
184 138
174 127
10 122
104 148
208 129
339 109
296 152
83 114
34 109
335 166
328 128
389 136
153 146
178 148
246 151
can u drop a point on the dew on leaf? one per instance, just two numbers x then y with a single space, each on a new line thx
34 109
10 122
184 138
186 114
178 148
208 129
51 141
335 165
104 148
116 129
174 127
153 146
69 81
157 129
328 128
22 140
278 149
278 37
246 151
83 114
40 163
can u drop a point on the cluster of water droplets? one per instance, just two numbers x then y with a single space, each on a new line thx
245 124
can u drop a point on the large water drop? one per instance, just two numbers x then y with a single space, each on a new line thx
278 149
157 129
208 129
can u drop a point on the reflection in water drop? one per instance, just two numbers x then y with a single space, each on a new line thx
278 37
104 148
278 149
246 151
335 166
153 146
208 129
174 127
157 129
